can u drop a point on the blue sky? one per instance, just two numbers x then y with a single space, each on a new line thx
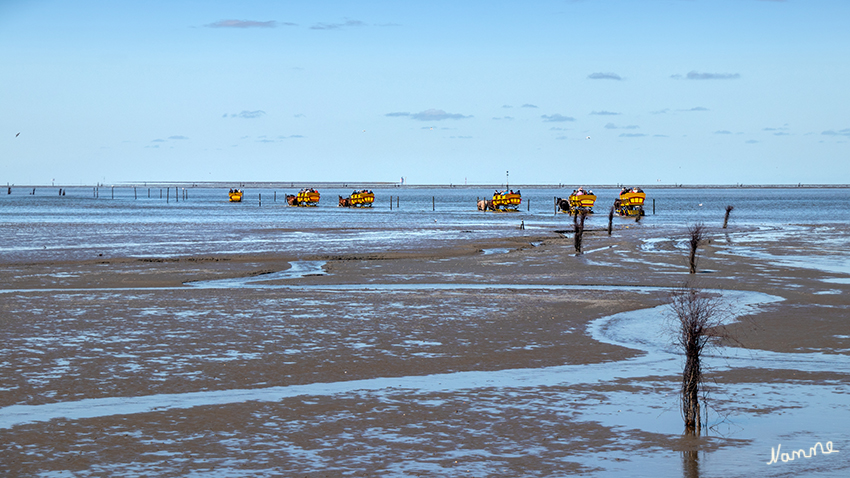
439 92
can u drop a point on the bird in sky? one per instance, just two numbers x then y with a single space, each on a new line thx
17 135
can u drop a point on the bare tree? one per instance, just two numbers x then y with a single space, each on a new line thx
697 320
696 235
726 217
578 221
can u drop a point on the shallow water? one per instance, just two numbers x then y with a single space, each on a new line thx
47 226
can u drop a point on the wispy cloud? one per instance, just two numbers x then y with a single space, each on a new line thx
507 106
503 118
429 115
338 26
246 24
695 75
632 135
178 137
604 76
613 126
723 131
276 139
841 132
557 118
698 108
245 114
604 113
437 115
751 141
528 105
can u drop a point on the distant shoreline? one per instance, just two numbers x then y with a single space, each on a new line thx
388 185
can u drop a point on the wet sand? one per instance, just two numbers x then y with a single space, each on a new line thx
127 327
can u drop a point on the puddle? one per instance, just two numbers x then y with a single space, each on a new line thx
297 270
496 250
840 280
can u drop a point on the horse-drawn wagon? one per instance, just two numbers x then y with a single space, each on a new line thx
502 201
305 197
630 202
362 198
580 201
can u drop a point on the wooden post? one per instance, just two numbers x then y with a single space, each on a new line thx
433 204
275 197
391 203
529 206
134 193
175 194
260 199
113 192
149 193
396 202
653 206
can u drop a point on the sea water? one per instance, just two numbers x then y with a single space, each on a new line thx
158 222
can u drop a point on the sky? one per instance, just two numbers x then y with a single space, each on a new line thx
440 92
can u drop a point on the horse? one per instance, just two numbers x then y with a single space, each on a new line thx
292 199
563 204
344 202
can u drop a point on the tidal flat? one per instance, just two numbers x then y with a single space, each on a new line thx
477 356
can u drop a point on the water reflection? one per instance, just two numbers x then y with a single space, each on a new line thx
690 464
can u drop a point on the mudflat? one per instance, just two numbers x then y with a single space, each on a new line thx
477 358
